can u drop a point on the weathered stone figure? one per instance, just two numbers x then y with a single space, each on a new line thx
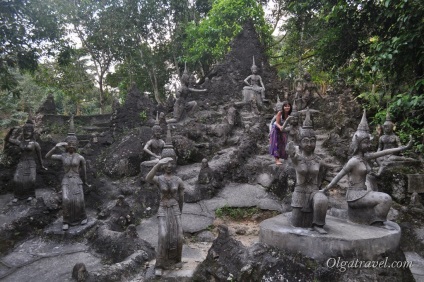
308 203
170 231
305 90
293 129
155 145
390 140
255 89
181 96
365 205
25 174
72 186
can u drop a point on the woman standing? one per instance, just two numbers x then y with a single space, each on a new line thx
170 231
25 174
72 186
278 138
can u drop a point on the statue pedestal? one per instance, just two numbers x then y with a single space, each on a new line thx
344 238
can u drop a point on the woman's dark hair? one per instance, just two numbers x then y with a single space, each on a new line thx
291 108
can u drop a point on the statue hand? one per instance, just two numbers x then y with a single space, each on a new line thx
61 144
88 185
165 161
410 143
45 168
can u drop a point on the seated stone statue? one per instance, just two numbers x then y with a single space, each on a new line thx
365 206
305 91
155 145
308 203
390 140
181 104
255 89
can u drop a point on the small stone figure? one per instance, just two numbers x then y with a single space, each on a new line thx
181 97
72 186
255 85
309 204
155 145
25 173
390 140
170 231
121 215
305 91
365 206
293 129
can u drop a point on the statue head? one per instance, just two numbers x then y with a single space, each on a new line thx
295 114
170 166
205 163
361 138
388 125
157 130
185 78
28 129
254 68
71 139
307 135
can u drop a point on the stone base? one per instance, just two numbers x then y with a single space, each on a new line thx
344 238
55 229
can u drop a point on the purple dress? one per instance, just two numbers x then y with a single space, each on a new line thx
277 142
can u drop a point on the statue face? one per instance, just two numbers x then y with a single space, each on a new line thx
308 144
27 133
365 144
169 167
254 70
157 134
388 128
294 121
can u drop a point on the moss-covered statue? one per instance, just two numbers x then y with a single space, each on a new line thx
365 206
73 204
25 174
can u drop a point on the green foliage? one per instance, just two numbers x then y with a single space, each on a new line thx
236 213
209 40
143 116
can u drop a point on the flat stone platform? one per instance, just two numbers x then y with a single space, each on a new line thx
344 238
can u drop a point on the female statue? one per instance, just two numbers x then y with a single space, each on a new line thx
170 231
308 203
364 205
25 174
72 186
255 83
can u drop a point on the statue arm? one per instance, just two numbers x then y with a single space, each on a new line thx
246 81
291 151
389 151
380 144
262 84
83 170
14 141
197 90
147 149
345 170
38 152
150 177
50 155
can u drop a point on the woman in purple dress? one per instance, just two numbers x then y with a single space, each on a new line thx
278 138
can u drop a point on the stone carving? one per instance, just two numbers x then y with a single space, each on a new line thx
293 129
308 203
25 174
255 89
155 145
170 231
72 186
390 140
181 105
305 90
278 134
365 206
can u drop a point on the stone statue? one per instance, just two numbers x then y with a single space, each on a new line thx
72 186
365 206
305 90
181 97
255 89
390 140
155 145
170 231
308 203
293 129
25 173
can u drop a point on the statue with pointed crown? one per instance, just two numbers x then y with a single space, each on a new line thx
25 174
72 186
308 202
365 206
181 105
255 88
390 140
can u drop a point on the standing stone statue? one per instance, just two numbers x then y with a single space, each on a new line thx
305 90
72 186
181 96
170 231
365 206
25 173
308 203
255 89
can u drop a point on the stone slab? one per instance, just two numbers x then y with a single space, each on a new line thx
55 229
415 183
344 239
417 267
